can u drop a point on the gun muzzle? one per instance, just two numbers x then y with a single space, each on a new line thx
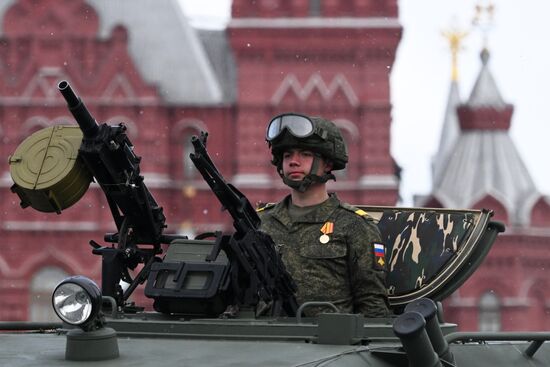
428 309
410 328
87 123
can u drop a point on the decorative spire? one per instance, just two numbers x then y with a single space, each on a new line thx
455 37
483 20
451 128
485 92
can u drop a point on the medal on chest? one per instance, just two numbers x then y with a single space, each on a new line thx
326 229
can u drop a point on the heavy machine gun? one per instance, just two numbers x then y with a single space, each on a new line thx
106 155
226 275
258 269
109 155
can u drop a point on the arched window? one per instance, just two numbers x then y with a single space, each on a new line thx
350 134
34 124
42 285
489 312
182 133
131 127
63 120
343 174
314 8
189 170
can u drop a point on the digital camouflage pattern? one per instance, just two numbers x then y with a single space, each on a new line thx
419 244
340 268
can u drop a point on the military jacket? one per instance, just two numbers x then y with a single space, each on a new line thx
332 262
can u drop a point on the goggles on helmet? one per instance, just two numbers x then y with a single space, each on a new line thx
298 125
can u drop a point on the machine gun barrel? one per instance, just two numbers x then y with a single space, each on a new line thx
238 206
87 123
109 156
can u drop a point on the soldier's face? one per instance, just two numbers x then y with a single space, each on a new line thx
297 164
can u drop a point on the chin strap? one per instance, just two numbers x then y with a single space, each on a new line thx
310 178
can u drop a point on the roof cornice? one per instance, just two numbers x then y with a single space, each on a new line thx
315 22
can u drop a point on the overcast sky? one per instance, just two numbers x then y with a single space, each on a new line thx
520 61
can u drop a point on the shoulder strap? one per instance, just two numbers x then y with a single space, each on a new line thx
354 209
264 206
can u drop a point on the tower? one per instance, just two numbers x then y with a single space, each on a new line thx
450 129
481 168
330 58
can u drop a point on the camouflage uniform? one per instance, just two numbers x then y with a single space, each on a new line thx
341 270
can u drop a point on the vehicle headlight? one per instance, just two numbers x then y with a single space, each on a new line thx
77 300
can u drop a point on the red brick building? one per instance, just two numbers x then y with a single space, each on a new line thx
168 81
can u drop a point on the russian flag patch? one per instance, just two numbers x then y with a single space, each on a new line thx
379 252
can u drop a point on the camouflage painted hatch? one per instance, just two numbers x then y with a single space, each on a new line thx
431 252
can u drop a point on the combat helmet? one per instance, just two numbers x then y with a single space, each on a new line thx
321 136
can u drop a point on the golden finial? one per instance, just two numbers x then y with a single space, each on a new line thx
455 37
483 19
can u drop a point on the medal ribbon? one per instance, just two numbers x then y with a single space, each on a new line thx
327 228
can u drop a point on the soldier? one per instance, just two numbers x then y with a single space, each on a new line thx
331 249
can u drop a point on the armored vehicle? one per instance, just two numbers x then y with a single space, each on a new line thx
206 290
